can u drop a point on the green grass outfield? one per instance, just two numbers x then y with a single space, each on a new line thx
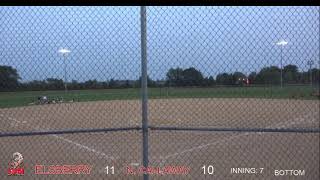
14 99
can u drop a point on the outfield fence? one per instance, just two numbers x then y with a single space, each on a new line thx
160 92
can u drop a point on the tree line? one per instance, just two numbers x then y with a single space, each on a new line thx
175 77
268 75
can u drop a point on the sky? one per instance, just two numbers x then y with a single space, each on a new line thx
105 41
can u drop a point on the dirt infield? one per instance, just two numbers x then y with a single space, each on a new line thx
223 150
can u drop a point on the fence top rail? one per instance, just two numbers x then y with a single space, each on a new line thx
161 128
289 130
67 131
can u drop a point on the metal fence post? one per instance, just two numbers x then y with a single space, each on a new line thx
144 90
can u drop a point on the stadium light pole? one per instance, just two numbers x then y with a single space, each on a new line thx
281 44
310 63
64 53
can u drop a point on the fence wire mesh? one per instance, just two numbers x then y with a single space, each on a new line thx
233 93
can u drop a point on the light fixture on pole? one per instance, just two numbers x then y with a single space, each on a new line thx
281 43
310 63
64 53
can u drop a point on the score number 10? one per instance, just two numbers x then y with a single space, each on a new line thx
208 169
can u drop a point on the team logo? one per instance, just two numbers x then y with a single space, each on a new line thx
16 166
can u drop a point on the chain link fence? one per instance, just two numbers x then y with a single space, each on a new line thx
159 92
